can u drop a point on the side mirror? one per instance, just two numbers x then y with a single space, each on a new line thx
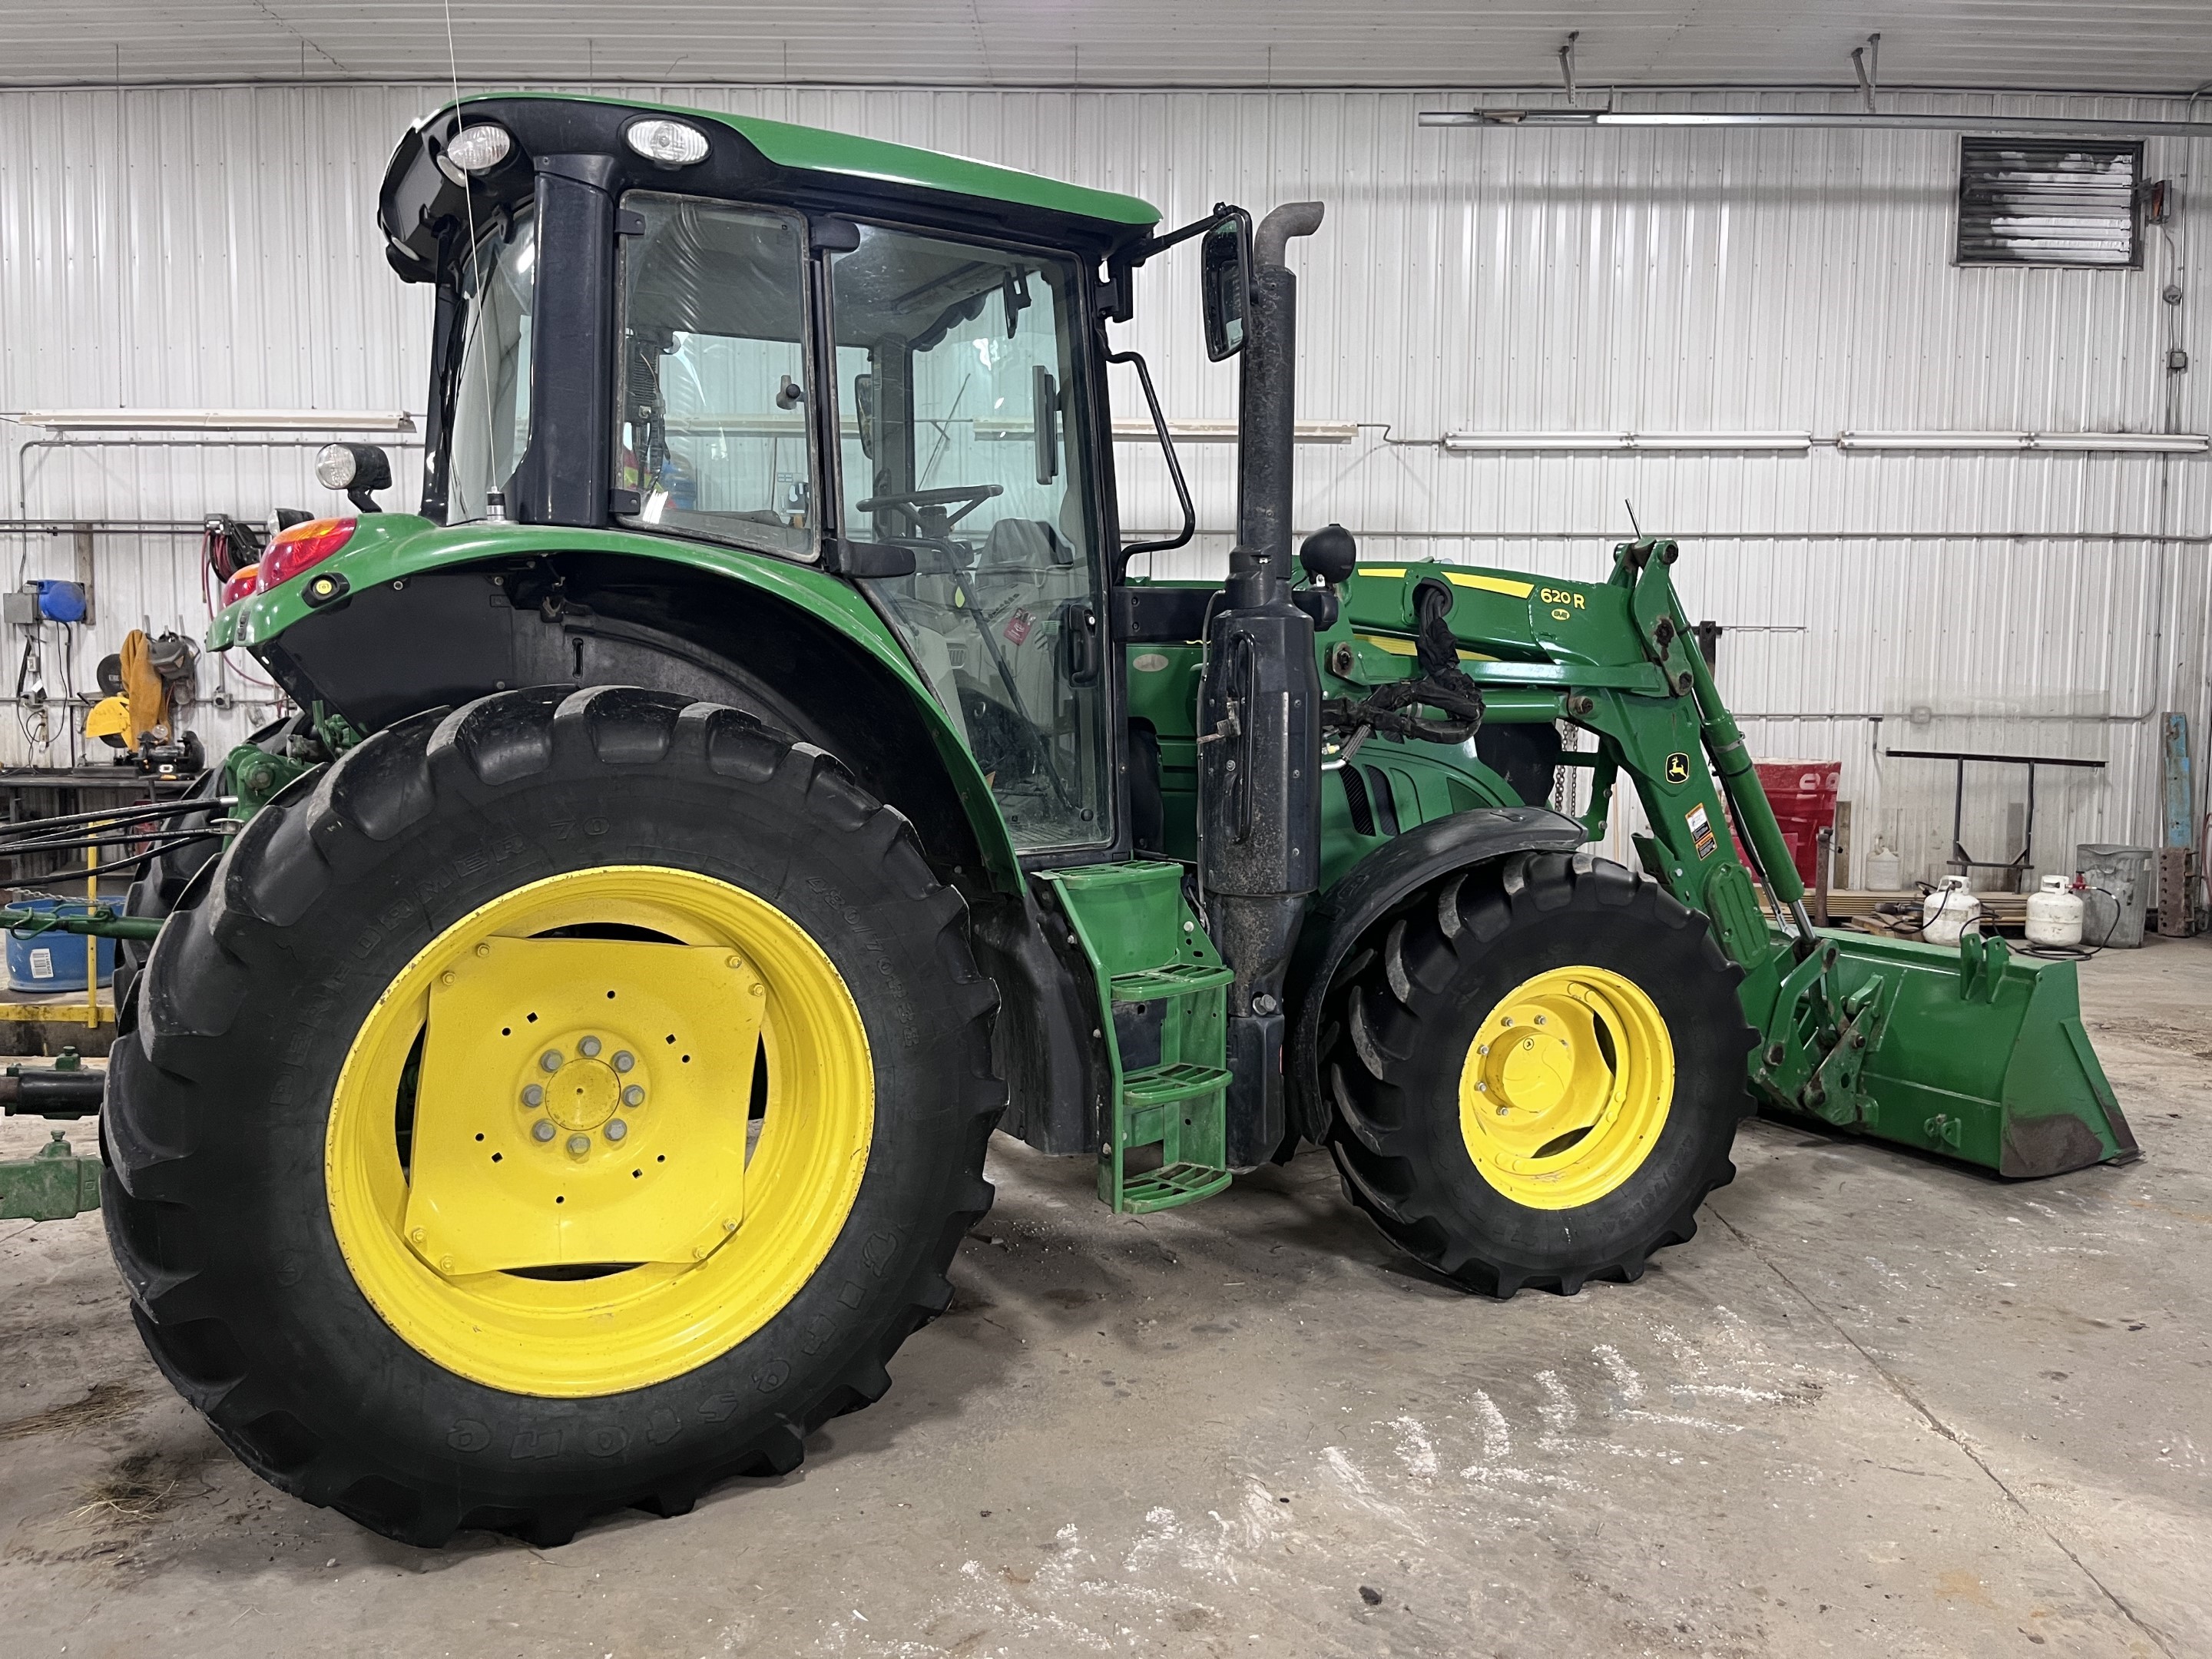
863 412
1225 280
1044 423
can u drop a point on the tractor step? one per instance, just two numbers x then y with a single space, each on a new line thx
1163 1085
1171 981
1170 1185
1166 990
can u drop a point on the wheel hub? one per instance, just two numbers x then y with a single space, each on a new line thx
1566 1087
580 1169
583 1095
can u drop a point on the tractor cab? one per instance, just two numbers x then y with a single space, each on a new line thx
883 363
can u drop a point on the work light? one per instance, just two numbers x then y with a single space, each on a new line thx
667 143
478 149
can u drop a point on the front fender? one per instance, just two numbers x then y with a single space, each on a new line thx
1345 912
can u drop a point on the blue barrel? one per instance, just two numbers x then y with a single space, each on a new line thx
53 961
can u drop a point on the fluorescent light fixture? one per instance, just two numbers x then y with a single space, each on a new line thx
2124 443
1931 440
1780 443
218 419
1186 432
2109 443
1224 431
1535 440
2025 125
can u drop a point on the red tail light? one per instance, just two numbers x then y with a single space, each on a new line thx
240 586
302 546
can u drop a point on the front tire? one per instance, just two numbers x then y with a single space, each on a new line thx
1536 1068
378 1312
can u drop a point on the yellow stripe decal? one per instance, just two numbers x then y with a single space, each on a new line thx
1491 584
1512 590
1407 648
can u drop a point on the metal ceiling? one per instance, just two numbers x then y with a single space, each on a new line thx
2110 45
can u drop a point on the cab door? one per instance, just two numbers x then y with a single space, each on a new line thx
960 407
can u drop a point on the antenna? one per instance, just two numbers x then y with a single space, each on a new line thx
1633 525
494 499
1567 62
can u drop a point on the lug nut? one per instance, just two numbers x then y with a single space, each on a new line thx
446 978
589 1047
533 1096
1540 1019
1480 1087
616 1129
624 1060
580 1145
1507 1021
550 1060
543 1129
633 1096
1482 1048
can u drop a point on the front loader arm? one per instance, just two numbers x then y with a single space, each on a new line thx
1974 1053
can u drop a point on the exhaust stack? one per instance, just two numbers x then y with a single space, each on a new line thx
1259 855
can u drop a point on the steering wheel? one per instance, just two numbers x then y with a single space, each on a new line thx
912 501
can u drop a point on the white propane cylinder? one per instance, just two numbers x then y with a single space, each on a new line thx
1885 871
2054 913
1949 911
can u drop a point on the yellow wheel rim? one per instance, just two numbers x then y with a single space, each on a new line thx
585 1207
1567 1087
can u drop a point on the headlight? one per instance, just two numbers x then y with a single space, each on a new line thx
335 465
667 143
478 149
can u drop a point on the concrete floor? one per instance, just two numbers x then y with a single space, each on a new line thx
1878 1406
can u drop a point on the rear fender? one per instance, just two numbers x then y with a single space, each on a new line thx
428 616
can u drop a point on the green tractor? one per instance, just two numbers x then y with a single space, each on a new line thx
754 776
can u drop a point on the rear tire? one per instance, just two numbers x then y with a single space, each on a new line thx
1401 1040
222 1217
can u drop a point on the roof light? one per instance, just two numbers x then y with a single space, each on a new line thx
667 143
335 465
478 149
302 545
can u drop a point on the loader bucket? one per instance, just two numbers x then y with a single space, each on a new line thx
1974 1052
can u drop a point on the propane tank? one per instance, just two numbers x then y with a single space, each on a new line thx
2054 912
1885 871
1949 911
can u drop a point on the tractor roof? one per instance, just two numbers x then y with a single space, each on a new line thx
774 160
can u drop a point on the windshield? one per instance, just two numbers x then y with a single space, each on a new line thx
955 364
711 427
491 400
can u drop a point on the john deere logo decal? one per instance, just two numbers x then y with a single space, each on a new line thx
1678 768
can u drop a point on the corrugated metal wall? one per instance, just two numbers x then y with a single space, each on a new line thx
214 247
